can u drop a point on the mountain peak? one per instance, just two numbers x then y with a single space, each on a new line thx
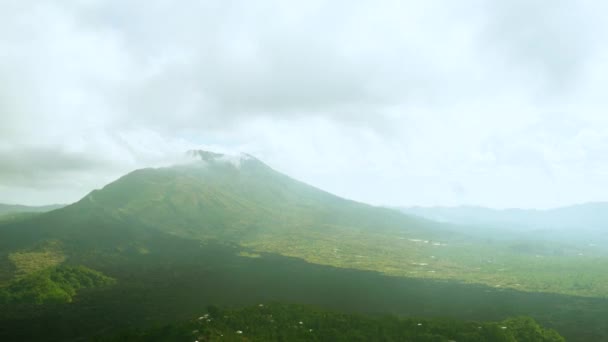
213 157
204 155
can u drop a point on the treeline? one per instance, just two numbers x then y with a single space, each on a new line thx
282 322
53 285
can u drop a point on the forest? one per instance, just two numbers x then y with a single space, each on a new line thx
280 322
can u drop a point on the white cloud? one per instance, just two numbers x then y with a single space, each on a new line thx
390 102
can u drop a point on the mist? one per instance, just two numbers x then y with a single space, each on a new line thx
391 103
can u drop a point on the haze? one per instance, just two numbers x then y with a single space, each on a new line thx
386 102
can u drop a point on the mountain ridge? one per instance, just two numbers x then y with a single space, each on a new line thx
20 208
595 213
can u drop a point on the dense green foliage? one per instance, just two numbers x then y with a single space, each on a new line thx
40 257
279 322
54 285
178 277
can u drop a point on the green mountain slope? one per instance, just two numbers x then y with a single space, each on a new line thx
240 200
234 200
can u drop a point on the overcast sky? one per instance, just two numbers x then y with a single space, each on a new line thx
493 103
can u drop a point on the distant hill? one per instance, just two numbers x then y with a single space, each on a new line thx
12 213
16 208
582 215
581 223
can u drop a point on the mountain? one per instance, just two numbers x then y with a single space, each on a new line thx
233 199
230 200
16 208
15 213
158 244
583 223
239 199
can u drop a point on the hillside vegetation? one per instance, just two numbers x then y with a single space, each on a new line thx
53 285
279 322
